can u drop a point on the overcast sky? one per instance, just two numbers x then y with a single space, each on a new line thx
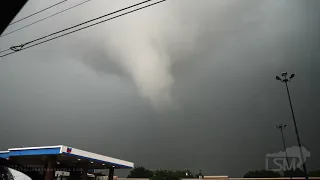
183 84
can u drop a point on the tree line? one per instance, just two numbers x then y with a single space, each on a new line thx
272 174
161 174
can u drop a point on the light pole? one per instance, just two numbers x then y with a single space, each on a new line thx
284 79
281 128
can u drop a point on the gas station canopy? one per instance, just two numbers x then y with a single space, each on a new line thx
65 157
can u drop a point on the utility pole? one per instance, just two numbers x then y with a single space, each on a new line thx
284 79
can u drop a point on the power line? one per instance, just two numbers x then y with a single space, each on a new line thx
38 12
23 47
44 18
88 21
5 50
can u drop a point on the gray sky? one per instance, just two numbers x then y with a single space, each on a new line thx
184 84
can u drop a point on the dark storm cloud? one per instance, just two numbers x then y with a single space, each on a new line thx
218 60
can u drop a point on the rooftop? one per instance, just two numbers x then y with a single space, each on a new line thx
66 156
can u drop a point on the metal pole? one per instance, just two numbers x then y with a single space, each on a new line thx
297 133
111 173
285 151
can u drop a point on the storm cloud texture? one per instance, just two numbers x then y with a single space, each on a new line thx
184 84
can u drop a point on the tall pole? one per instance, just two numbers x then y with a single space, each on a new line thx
297 132
281 127
286 80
